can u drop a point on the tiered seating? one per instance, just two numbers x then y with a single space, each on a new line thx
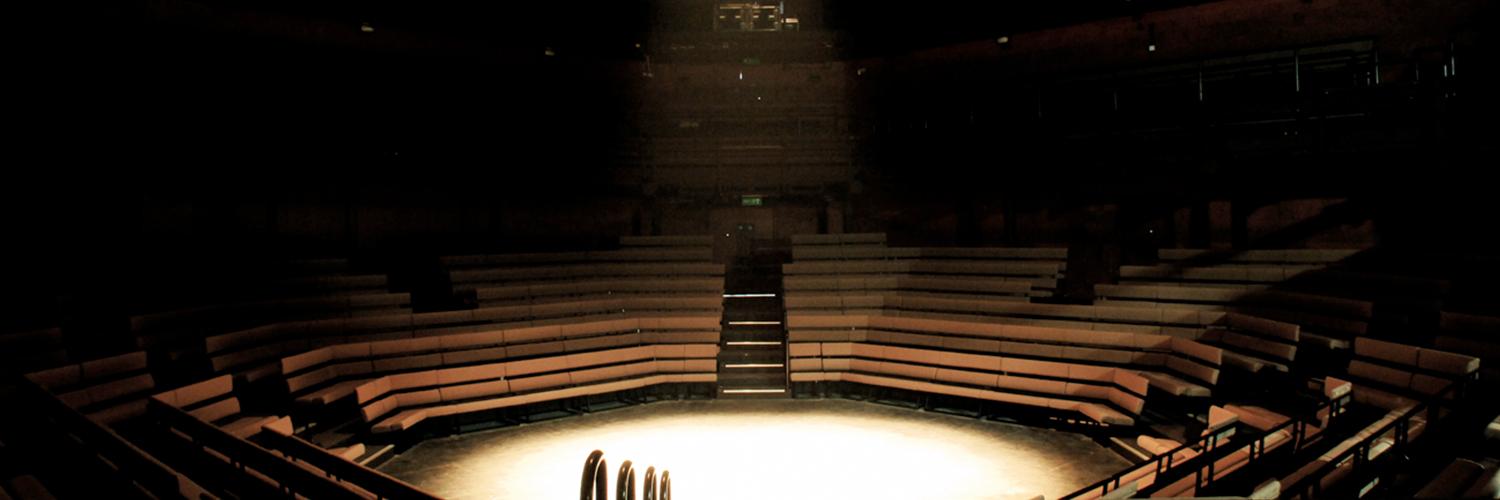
398 401
1186 323
700 291
666 241
963 275
249 469
1404 380
477 278
213 401
1235 437
252 353
1473 335
1339 319
1253 344
324 375
107 390
1335 303
823 347
172 328
1391 375
33 349
683 253
1463 478
834 240
1278 257
112 464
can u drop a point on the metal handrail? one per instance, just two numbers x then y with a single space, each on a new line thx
1311 485
1163 462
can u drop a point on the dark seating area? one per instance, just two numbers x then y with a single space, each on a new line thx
792 249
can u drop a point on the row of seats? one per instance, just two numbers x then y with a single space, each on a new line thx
253 352
951 286
107 390
1188 323
400 401
1256 430
1463 478
836 252
1333 321
474 278
1253 344
1395 295
249 469
838 239
636 254
701 288
1473 335
33 349
1391 375
96 447
975 267
1404 381
1176 366
214 401
1256 257
324 375
1108 396
666 241
151 330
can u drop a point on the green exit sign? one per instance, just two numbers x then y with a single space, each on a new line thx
751 201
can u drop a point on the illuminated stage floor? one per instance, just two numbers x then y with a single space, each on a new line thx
765 449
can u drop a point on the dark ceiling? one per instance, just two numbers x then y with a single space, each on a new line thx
866 27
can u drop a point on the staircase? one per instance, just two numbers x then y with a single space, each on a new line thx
752 348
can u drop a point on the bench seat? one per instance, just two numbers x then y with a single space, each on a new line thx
1174 385
335 392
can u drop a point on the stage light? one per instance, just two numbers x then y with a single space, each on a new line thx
1002 40
1151 48
549 52
366 28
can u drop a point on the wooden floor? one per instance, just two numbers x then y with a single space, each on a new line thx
759 449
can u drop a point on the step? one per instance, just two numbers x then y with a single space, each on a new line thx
752 378
753 343
751 295
757 322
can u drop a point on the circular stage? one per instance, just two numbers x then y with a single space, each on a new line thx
760 449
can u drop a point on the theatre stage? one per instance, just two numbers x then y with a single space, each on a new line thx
764 449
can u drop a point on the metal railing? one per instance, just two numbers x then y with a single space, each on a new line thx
1311 485
1164 463
595 481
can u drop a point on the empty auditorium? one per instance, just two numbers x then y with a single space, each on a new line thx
751 250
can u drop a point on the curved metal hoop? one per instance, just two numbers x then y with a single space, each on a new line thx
665 493
595 485
648 485
625 483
